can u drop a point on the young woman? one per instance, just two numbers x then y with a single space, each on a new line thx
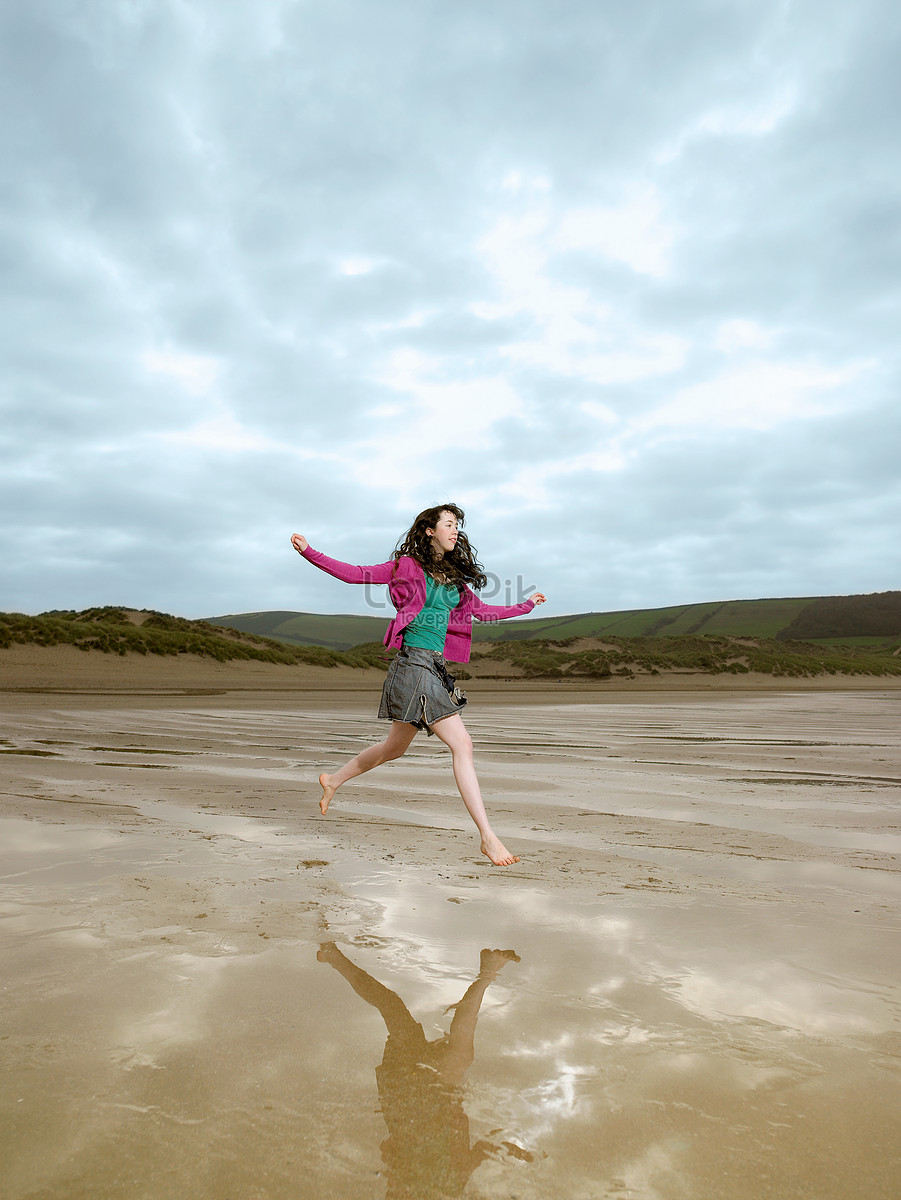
430 581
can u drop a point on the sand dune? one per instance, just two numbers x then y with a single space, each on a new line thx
65 669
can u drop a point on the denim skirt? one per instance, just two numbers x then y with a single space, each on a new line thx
419 689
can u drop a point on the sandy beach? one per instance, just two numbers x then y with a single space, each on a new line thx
688 989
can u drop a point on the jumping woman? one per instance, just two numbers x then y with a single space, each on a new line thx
430 580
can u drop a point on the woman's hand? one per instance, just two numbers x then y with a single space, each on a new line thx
538 598
299 542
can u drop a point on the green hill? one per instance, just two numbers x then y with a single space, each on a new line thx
837 618
832 617
307 629
737 618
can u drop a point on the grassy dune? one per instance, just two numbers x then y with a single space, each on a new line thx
593 658
122 631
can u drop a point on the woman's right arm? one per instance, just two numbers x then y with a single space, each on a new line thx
347 572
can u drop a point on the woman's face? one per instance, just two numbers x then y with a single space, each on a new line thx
444 535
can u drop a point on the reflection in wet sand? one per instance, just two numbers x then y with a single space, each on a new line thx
427 1151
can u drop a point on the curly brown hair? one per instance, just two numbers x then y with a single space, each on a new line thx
461 566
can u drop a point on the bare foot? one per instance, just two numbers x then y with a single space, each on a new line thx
491 961
494 848
325 782
329 952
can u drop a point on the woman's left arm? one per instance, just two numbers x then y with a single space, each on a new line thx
500 612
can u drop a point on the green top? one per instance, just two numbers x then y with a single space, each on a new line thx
429 628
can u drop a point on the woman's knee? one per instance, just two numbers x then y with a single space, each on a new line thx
396 745
462 743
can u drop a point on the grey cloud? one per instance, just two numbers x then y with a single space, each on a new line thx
740 513
162 524
186 180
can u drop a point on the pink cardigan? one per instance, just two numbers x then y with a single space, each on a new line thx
406 586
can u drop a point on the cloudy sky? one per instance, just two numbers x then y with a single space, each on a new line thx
620 277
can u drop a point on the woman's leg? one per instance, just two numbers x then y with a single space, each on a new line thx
458 1050
395 744
454 734
399 1022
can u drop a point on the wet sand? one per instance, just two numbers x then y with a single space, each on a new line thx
211 990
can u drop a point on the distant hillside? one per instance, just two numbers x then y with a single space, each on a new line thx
876 615
307 629
731 618
836 618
